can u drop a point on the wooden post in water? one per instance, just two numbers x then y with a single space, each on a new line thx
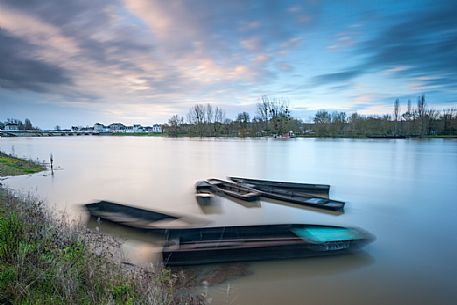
51 161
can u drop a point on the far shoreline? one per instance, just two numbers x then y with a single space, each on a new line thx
163 135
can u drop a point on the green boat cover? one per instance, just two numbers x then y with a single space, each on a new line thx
325 234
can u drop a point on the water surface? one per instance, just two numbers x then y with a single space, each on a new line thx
402 191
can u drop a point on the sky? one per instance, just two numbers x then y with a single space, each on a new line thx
141 61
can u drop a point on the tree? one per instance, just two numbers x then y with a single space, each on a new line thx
243 120
338 120
28 125
447 117
322 120
196 116
263 110
175 123
421 112
396 114
356 122
219 117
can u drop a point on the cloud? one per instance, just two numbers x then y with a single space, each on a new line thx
153 51
343 40
423 45
19 71
155 56
337 77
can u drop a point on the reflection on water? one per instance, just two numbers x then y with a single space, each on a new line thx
402 191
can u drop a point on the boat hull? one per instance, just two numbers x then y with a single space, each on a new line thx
307 200
255 243
229 189
207 256
294 186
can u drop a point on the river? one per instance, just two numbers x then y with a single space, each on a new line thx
402 191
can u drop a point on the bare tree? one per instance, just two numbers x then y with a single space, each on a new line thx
447 116
322 120
396 109
396 114
209 114
421 112
28 125
243 120
175 122
338 120
196 116
263 110
219 117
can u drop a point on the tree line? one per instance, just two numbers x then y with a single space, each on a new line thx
273 118
414 122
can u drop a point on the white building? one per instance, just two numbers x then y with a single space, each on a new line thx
156 128
117 127
138 128
100 128
11 127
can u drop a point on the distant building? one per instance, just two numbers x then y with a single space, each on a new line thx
11 127
100 128
129 129
138 128
117 127
81 129
156 128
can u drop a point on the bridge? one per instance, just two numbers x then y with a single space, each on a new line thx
46 133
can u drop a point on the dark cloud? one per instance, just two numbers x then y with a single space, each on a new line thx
424 43
18 70
62 13
331 78
107 34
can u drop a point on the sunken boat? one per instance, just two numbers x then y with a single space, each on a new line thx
260 242
138 218
292 186
229 189
301 198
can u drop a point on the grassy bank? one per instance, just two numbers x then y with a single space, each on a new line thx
12 166
137 134
46 259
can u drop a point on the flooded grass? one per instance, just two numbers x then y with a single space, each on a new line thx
12 166
137 134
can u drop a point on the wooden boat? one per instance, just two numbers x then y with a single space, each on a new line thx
301 198
261 242
137 218
228 188
186 245
204 198
292 186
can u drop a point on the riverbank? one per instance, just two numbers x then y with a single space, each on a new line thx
152 134
137 134
46 259
12 166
